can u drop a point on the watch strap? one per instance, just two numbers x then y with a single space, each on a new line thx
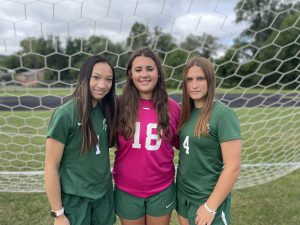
57 213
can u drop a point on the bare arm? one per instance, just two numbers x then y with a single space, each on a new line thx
231 152
54 152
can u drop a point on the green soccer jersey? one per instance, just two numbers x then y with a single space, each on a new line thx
85 175
200 159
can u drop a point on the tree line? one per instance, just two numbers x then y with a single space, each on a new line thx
265 54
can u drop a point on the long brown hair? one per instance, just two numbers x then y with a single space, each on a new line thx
129 100
188 104
83 102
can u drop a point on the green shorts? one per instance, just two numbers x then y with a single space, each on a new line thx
82 211
131 207
187 209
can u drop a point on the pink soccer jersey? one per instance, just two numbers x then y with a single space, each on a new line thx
144 164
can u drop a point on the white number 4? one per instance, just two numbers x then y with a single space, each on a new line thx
186 145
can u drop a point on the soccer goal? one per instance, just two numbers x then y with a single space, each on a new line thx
255 46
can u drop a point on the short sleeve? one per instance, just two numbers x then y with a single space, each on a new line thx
228 126
59 126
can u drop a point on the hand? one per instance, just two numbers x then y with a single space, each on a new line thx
203 217
61 220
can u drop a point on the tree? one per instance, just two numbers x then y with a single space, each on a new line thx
41 45
10 62
267 48
139 36
228 65
73 46
260 14
205 45
283 52
163 42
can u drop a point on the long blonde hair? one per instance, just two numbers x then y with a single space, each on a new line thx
188 104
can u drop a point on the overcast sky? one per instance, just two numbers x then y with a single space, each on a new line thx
113 18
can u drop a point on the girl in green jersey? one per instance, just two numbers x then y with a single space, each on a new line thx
210 149
78 180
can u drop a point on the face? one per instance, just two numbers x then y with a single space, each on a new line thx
100 81
144 75
196 85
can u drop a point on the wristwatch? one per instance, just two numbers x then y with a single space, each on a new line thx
57 213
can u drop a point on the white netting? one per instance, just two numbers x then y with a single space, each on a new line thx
254 45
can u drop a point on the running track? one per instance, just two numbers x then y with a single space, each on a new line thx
233 100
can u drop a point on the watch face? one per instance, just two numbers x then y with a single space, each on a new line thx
53 214
57 213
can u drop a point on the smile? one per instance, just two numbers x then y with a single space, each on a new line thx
145 82
100 92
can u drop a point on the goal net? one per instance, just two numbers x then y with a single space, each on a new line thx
254 45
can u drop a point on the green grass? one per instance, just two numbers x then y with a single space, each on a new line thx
268 134
22 140
25 91
274 203
38 91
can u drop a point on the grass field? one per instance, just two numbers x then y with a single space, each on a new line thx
274 203
39 91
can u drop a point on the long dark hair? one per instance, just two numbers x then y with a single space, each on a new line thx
83 102
188 104
129 100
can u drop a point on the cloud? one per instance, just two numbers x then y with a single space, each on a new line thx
113 19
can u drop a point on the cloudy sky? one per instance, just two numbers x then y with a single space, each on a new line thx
113 18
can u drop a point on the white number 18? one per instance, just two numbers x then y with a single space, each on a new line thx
150 136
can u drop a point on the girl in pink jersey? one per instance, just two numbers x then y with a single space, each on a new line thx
147 123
